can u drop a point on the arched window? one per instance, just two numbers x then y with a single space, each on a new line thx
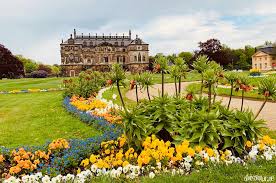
118 59
139 57
124 59
135 58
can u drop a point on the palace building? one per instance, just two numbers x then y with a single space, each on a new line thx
99 52
264 58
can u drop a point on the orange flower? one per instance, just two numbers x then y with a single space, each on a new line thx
248 144
2 159
15 170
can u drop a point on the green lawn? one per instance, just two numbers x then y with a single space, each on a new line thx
30 83
34 118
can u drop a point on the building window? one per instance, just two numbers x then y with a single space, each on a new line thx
260 66
135 58
256 66
118 59
144 58
139 57
72 73
124 59
122 43
265 58
91 43
106 59
116 43
265 65
139 47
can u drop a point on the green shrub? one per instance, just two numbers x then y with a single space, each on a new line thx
87 84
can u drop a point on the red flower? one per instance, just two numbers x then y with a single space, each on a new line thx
109 82
132 84
189 96
158 67
266 93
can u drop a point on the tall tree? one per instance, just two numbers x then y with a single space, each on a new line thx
10 66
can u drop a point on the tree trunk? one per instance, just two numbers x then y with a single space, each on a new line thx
242 99
179 85
215 94
136 90
162 72
175 85
266 98
121 97
230 98
148 92
209 96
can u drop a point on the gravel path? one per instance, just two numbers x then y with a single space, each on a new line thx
268 113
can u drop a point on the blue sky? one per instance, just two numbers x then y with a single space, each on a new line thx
34 28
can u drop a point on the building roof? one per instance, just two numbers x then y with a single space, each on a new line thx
268 50
97 40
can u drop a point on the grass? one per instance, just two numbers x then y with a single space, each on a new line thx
108 96
30 83
34 118
220 174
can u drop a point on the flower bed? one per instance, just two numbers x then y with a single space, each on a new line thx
31 91
96 106
116 160
50 161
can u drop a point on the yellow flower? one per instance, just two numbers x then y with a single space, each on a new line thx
107 151
248 144
78 171
198 149
185 143
85 162
267 140
261 146
93 158
191 152
210 152
125 163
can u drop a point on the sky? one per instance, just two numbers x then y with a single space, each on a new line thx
35 28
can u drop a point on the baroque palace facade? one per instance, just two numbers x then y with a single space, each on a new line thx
81 52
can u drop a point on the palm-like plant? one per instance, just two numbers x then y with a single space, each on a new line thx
117 77
267 87
174 71
231 79
244 84
210 77
200 65
146 81
219 74
182 68
161 64
136 81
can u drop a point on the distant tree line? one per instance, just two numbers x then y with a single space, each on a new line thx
18 66
227 57
36 69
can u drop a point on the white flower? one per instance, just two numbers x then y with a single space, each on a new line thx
151 175
173 172
114 96
268 155
187 166
46 179
126 169
188 159
159 165
94 168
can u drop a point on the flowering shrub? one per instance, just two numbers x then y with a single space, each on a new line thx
87 84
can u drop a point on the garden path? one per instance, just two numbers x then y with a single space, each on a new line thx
268 113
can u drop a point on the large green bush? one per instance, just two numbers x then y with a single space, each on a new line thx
87 84
176 119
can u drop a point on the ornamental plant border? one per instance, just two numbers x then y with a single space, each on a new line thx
31 91
70 158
